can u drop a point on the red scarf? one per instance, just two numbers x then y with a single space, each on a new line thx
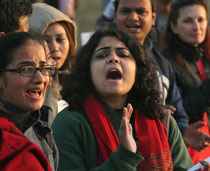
202 73
152 144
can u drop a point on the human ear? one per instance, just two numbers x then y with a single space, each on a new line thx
1 84
173 28
153 18
1 34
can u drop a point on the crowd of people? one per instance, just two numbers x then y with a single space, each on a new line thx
136 96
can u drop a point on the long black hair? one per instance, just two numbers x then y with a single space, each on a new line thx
145 93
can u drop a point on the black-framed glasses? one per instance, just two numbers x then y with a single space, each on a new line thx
29 71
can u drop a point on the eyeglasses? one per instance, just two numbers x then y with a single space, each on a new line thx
29 71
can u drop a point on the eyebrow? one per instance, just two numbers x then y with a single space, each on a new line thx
103 48
30 62
109 47
59 34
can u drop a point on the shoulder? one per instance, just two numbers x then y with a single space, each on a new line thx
67 115
68 120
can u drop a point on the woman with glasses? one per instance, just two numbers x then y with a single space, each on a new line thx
24 78
59 31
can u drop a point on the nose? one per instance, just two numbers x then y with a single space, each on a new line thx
133 16
39 77
113 58
53 46
195 25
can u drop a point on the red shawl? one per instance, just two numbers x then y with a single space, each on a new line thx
153 143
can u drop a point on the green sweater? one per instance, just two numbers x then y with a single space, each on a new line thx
78 147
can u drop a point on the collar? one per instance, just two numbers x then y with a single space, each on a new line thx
22 120
190 53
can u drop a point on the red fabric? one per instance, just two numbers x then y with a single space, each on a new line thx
153 143
202 73
17 152
102 128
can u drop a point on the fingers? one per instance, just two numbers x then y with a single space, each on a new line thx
125 131
173 109
130 110
127 111
205 164
205 142
198 125
169 109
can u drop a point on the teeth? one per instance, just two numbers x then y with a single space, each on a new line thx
113 70
113 74
36 90
134 26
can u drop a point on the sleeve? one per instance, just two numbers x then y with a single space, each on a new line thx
78 148
197 102
180 156
174 98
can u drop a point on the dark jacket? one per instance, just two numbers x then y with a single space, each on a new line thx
170 92
195 94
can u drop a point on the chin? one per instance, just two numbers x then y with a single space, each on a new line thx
35 107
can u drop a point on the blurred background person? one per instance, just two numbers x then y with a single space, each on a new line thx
14 15
187 48
163 8
66 6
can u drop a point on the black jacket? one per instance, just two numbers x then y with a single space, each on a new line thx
195 94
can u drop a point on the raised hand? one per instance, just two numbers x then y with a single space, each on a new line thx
125 131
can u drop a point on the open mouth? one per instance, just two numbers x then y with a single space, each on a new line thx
34 93
134 26
113 74
56 58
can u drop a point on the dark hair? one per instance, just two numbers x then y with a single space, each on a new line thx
153 4
178 4
12 41
144 95
10 13
170 37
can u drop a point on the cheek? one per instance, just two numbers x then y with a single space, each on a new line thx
96 73
120 20
16 88
131 72
47 80
65 47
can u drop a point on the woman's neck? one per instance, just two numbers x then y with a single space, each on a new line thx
115 102
12 113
